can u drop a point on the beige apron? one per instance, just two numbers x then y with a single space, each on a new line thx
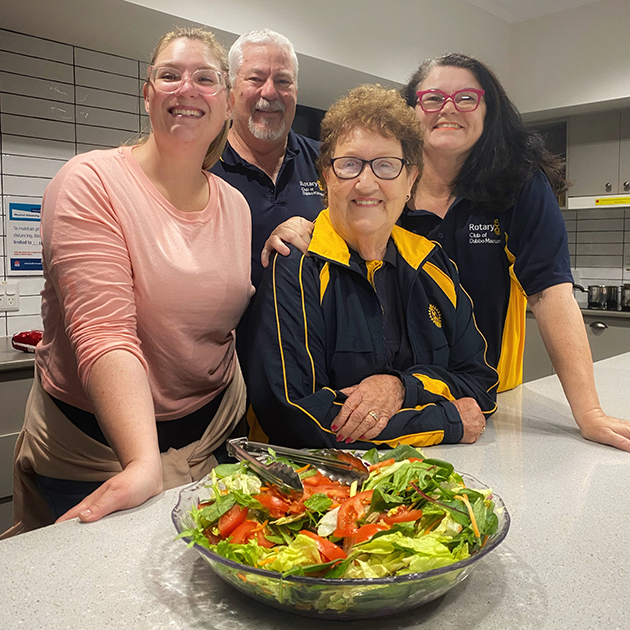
50 445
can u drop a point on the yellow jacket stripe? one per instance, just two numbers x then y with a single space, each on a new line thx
281 349
510 366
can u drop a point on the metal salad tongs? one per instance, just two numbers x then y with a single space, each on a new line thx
333 463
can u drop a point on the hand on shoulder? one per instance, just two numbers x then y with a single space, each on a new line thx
294 231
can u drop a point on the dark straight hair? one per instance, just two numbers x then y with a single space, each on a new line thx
507 154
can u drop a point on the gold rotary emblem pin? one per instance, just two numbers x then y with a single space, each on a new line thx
435 316
497 227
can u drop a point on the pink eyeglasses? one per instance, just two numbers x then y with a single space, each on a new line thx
433 101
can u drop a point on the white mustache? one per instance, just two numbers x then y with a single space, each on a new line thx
263 105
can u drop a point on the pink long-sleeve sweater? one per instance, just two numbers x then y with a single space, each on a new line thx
125 269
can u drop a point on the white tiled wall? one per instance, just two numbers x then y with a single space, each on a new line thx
599 243
56 101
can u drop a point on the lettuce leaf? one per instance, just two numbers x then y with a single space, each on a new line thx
302 551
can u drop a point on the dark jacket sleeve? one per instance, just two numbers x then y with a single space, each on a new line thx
286 365
430 389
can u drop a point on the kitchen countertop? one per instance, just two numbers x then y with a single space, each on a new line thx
564 564
11 359
592 312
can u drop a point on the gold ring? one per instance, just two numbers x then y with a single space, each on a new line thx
371 413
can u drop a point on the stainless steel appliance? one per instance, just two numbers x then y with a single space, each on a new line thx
597 296
612 298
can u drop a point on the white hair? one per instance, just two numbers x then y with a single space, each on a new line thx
262 36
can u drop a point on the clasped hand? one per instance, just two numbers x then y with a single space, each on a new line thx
372 403
369 407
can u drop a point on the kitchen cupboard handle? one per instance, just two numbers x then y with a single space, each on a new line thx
608 186
599 326
626 186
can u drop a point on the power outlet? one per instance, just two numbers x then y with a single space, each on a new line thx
9 296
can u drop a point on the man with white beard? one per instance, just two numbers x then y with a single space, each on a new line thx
272 166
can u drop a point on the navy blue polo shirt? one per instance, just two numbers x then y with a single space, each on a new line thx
295 193
502 257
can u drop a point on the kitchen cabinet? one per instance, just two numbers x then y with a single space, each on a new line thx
598 159
536 361
16 378
608 336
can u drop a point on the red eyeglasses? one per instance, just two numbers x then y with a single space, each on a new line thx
433 101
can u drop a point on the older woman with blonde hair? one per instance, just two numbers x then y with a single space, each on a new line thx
368 339
137 381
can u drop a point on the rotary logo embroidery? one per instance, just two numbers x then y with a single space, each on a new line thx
311 188
485 233
435 316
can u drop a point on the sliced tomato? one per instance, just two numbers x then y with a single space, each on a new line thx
316 480
297 507
367 531
231 520
262 540
350 511
328 550
401 515
276 506
244 532
333 492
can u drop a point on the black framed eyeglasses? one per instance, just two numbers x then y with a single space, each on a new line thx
387 167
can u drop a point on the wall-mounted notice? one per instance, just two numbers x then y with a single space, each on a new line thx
24 245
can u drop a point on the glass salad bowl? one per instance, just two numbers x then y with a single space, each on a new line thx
327 598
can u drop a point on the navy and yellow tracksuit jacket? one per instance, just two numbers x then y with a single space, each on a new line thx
318 328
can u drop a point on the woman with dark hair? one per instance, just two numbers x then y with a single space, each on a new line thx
506 155
484 197
487 196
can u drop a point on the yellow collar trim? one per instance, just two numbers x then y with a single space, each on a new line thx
412 247
325 242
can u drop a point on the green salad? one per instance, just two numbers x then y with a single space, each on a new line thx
412 514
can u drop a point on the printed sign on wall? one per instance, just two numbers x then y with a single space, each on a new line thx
24 244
